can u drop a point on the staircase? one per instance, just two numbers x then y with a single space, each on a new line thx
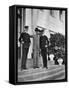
54 72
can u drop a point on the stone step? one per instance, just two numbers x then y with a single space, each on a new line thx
29 63
52 73
51 63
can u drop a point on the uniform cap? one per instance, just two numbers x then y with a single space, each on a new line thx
26 26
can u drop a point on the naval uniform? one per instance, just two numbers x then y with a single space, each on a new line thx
43 43
25 40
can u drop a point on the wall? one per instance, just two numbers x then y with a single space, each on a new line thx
43 18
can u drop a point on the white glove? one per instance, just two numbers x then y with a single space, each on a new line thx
45 45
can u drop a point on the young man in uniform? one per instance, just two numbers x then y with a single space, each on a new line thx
25 41
43 46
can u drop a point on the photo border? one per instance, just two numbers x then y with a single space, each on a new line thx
16 49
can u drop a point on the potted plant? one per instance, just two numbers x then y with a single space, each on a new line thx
59 56
57 47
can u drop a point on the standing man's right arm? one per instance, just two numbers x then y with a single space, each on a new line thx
21 38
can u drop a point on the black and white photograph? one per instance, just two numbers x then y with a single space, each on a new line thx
41 44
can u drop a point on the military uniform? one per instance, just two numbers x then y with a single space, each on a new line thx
25 40
43 46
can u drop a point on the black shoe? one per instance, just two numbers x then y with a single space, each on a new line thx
23 68
46 67
35 67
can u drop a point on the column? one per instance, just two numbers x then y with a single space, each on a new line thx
22 23
18 28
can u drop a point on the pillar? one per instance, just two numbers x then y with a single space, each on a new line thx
22 23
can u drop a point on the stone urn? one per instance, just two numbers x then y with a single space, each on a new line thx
51 57
60 61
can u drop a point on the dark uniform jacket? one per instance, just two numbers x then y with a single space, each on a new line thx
25 38
43 41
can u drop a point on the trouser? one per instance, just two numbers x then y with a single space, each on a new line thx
35 61
24 57
44 56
